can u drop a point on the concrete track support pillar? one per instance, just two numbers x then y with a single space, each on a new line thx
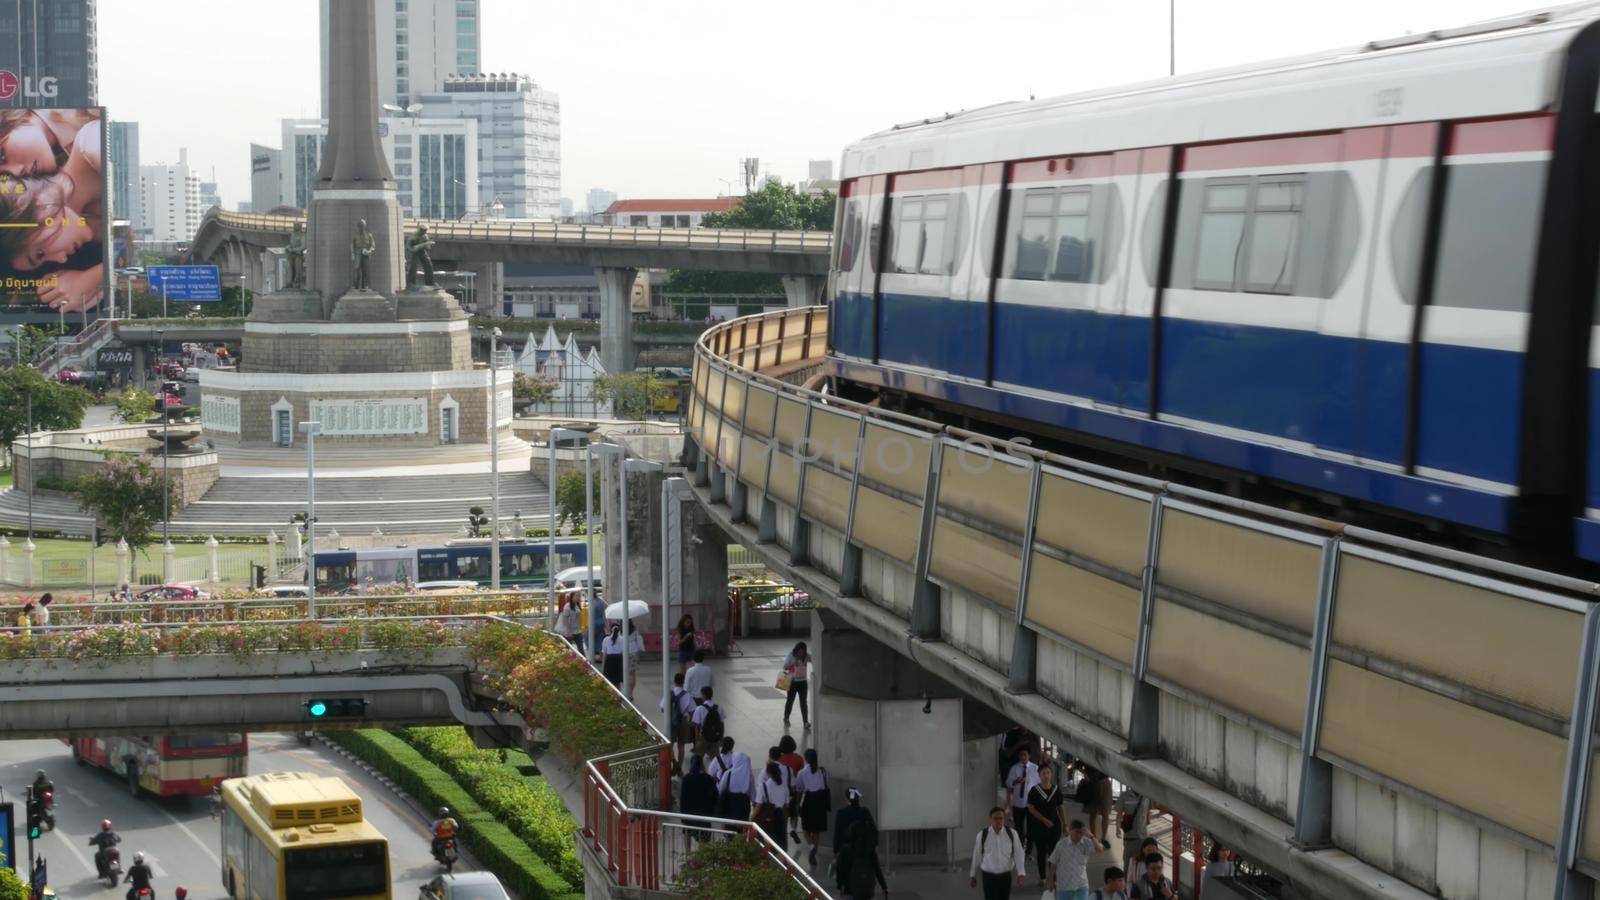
616 318
803 290
1144 726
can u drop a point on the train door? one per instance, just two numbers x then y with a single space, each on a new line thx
850 328
1150 233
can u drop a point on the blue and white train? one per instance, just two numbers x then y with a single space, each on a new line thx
1368 275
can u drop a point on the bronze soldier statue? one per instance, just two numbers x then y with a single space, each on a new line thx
417 255
296 251
361 249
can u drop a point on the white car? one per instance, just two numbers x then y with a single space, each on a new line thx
577 576
285 591
191 374
446 585
464 886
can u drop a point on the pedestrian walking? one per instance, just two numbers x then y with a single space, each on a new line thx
1220 863
680 720
789 754
1098 806
736 788
566 621
699 675
697 795
710 723
793 681
1115 887
685 642
1069 864
1044 819
847 818
1153 884
25 619
816 801
997 856
721 758
1023 778
634 649
1135 825
611 648
858 869
772 804
41 613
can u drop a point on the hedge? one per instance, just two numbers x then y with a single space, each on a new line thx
501 851
528 806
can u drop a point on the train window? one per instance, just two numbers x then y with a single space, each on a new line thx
935 237
1488 237
849 236
1074 253
434 567
1274 236
1221 235
924 230
472 567
1031 257
1062 234
908 237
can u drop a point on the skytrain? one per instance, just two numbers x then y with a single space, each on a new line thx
1367 276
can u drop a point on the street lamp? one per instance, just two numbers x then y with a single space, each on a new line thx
494 459
556 435
311 430
612 566
32 466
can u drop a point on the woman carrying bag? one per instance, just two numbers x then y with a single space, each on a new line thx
792 681
816 801
772 804
685 642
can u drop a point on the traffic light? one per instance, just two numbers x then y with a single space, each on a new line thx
35 815
336 708
100 537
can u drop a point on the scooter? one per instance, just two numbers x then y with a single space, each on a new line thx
112 872
446 854
49 804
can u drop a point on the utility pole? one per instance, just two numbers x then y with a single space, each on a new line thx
494 461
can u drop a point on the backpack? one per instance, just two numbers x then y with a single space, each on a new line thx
1086 790
711 726
983 842
860 882
675 713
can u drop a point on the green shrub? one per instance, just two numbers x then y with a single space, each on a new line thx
496 847
528 806
65 485
12 887
735 870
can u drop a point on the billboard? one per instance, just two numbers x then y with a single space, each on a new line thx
53 228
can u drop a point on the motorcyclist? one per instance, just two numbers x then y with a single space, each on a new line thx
139 876
42 782
102 842
444 831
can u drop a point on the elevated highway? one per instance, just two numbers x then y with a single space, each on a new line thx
1365 716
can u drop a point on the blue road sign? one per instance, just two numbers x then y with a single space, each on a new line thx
186 284
8 836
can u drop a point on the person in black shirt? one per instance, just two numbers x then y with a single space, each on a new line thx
858 866
1044 818
697 796
847 816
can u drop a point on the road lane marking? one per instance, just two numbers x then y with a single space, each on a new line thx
192 836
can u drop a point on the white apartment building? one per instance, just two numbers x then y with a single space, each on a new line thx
171 199
420 42
519 139
434 161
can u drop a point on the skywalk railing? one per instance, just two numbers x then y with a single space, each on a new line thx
1419 668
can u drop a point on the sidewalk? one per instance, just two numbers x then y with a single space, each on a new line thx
754 708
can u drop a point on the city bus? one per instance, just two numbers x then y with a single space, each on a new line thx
299 836
522 564
173 765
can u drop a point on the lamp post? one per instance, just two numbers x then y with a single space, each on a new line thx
311 430
494 460
28 393
612 525
588 536
556 435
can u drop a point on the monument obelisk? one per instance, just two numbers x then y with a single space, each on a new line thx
354 183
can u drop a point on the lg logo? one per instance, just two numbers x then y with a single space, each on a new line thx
44 88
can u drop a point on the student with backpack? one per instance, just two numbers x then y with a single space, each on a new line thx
709 723
680 720
998 856
858 869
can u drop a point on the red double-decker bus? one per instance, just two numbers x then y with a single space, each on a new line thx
174 765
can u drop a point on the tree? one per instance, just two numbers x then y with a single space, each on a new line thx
55 406
29 341
134 405
531 390
12 887
777 206
632 395
125 496
569 498
477 522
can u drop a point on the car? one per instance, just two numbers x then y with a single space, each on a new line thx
464 886
431 586
577 576
191 374
69 376
284 591
171 592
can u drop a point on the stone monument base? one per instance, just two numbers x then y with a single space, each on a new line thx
363 306
288 305
425 302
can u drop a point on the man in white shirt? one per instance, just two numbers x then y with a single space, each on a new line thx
699 675
1023 777
1069 864
997 854
704 743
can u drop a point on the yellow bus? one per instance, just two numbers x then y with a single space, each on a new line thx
298 836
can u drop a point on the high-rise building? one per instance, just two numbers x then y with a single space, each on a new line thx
434 161
209 196
171 200
519 138
50 48
599 200
127 201
566 208
420 42
266 175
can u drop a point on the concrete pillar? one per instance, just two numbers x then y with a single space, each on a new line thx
616 318
272 554
213 564
167 551
124 573
705 572
5 557
643 521
803 290
488 288
27 561
296 544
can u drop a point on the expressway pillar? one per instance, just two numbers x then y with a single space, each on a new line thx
616 318
803 290
488 288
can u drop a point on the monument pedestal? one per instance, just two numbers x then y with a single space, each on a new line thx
363 306
425 302
288 305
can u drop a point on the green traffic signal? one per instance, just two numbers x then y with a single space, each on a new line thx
317 708
336 708
34 831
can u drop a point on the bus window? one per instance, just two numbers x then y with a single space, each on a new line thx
348 870
434 566
472 568
519 564
336 576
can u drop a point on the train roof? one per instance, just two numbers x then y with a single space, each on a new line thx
1505 66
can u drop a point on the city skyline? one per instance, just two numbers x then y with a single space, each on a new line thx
664 109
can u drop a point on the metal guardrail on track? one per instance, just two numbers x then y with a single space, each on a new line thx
1467 681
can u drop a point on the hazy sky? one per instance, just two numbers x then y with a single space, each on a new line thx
662 99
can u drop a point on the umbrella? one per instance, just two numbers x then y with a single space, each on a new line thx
637 609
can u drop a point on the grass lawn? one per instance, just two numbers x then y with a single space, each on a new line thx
5 479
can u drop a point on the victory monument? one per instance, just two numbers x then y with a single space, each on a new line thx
381 357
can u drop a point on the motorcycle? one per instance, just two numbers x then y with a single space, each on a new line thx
446 853
111 866
141 894
49 804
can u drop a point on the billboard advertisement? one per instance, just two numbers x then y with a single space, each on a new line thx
53 229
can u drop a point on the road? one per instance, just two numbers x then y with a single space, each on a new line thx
178 835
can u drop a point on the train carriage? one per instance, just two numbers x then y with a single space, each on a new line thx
1368 275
